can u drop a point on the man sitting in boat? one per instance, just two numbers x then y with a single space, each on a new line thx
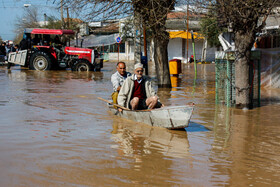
137 92
118 78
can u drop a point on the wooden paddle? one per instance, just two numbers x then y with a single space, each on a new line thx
119 106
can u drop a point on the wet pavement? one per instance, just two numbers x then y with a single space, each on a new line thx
55 132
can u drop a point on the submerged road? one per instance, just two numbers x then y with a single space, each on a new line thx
55 132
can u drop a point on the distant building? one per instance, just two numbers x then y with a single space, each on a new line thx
180 43
268 42
102 35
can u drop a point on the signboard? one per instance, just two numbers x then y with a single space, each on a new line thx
95 24
84 30
118 40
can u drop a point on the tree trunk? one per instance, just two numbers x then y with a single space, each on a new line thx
243 43
161 61
137 38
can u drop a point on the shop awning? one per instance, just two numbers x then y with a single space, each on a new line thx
94 41
184 34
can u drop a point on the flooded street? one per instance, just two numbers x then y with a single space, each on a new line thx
55 132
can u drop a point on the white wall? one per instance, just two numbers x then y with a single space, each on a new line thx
116 56
175 50
270 67
127 56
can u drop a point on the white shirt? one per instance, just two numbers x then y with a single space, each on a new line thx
135 78
117 80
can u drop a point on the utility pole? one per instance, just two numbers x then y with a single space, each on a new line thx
194 58
45 19
145 51
137 38
188 31
61 12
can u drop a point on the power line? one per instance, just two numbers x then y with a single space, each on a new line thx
14 4
23 1
47 6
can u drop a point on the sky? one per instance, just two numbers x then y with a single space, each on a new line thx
10 10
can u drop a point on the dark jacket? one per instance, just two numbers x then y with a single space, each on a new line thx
23 45
2 50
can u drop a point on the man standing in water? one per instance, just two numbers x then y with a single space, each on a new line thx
137 92
118 78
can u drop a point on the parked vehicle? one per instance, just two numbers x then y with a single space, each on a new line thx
43 56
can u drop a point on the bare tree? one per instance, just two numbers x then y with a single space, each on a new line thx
29 19
246 18
149 13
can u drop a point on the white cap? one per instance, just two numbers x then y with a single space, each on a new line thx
138 65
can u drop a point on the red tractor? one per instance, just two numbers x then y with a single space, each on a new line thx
44 56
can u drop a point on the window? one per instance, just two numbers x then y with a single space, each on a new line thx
113 48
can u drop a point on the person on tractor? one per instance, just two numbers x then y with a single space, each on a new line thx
46 40
57 45
36 40
25 43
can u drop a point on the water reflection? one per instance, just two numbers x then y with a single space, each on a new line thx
153 152
140 139
53 77
175 82
249 143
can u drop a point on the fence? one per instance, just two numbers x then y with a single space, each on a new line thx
225 78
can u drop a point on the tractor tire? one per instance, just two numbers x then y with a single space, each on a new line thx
82 65
40 61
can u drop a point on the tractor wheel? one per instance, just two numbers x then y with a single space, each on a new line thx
40 61
82 65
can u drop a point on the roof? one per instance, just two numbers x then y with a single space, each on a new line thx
183 15
178 20
111 28
176 15
272 22
181 24
74 20
48 31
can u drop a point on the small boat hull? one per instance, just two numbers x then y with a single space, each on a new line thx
174 117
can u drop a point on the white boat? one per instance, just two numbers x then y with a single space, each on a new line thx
173 117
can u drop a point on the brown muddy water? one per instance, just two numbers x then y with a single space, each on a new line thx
55 132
